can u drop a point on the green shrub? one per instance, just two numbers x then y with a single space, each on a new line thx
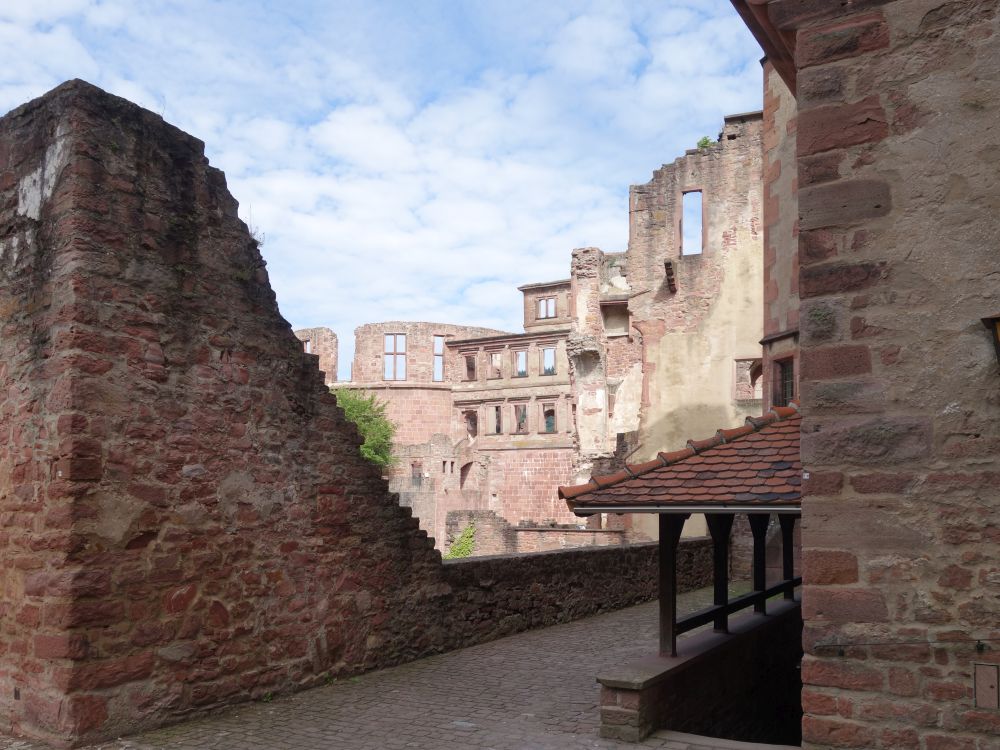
368 413
465 545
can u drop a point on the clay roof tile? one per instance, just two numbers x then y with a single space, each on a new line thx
569 492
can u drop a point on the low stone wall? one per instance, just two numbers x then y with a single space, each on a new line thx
498 595
744 685
497 536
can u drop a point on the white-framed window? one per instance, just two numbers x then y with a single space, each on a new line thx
394 357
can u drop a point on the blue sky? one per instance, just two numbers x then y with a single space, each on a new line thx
410 160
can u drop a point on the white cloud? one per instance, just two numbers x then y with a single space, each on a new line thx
410 161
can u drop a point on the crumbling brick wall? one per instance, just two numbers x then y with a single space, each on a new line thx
187 521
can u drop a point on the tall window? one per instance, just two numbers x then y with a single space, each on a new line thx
307 346
470 366
471 423
546 307
496 366
521 364
548 417
520 418
394 358
548 360
438 358
784 382
496 420
691 226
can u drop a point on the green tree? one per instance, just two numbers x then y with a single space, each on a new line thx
368 413
704 142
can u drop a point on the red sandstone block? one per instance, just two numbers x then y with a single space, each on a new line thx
842 125
824 567
793 14
836 732
899 739
838 673
843 202
824 483
881 483
823 44
948 742
844 605
903 682
956 577
60 646
78 469
840 277
835 362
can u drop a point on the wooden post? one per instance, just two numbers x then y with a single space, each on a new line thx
787 521
758 526
671 526
720 525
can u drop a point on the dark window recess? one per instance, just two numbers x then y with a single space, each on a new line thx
497 420
520 418
785 385
471 423
470 366
549 418
416 474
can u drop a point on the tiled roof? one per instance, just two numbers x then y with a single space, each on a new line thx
757 464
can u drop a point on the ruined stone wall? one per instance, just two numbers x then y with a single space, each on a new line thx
692 337
524 483
321 342
898 155
187 521
369 346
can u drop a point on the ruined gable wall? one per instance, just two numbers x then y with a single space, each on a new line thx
321 342
43 465
691 338
899 102
187 521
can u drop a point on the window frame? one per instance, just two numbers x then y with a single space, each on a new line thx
517 354
438 360
541 361
549 406
391 367
545 308
521 426
783 390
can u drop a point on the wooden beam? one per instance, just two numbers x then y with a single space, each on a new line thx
671 526
758 527
719 526
788 551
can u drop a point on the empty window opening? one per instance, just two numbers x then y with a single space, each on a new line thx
521 419
748 385
521 364
307 346
548 361
495 367
471 423
546 307
784 382
691 223
438 358
463 474
394 358
416 474
452 468
615 320
470 366
496 421
444 467
548 417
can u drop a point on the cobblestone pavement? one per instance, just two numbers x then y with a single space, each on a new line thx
532 691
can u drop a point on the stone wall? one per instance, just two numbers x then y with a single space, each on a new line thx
495 536
322 342
187 521
898 156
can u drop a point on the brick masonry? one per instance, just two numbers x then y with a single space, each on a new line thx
186 519
321 342
897 152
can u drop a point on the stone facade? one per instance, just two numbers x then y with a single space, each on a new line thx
186 519
897 182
